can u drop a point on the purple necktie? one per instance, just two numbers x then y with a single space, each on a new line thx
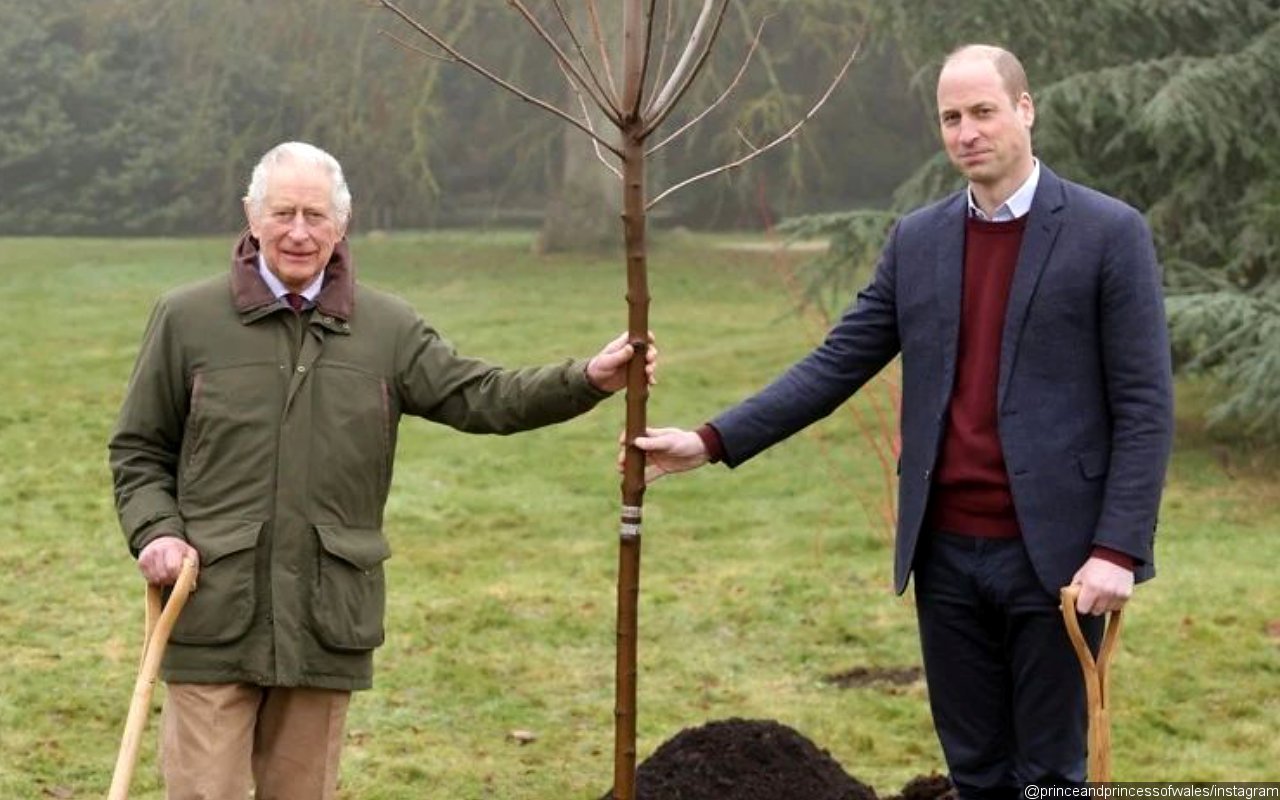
295 301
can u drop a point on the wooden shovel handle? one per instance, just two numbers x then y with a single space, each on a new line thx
1096 682
159 624
1110 639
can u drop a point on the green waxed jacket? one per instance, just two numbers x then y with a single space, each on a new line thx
266 440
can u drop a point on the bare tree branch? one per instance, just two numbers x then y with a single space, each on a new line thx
644 65
414 48
596 33
473 66
661 114
687 64
632 62
586 117
611 97
755 42
788 134
743 138
667 37
607 107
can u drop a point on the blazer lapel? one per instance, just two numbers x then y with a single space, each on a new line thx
949 285
1043 225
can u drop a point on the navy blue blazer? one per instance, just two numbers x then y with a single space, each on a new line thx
1085 408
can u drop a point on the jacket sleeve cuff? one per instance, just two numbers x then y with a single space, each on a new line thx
167 526
1114 556
583 383
712 442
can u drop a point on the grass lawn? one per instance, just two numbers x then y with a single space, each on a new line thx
756 585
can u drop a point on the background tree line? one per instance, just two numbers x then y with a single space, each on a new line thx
132 117
129 117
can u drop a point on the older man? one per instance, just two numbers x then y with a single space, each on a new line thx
257 436
1036 425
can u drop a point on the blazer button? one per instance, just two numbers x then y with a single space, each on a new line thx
927 473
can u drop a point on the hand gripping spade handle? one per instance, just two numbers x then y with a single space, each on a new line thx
159 624
1097 683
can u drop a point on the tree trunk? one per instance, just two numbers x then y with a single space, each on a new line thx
633 485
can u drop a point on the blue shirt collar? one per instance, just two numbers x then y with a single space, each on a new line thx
1018 204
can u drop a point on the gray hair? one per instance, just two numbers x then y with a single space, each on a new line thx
306 154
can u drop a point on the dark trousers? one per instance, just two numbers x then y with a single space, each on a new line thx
1005 686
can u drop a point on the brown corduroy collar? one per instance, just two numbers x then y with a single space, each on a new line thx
337 297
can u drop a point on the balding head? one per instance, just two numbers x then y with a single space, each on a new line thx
1007 65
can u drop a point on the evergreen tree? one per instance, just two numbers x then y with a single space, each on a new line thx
1170 106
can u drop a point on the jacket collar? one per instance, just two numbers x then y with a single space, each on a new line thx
1051 193
1043 224
253 299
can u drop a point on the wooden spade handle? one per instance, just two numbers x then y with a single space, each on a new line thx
1097 682
159 624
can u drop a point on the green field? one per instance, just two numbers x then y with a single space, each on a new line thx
756 584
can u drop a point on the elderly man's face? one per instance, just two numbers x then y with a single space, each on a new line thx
297 225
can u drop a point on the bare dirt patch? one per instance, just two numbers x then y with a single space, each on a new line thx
860 677
927 787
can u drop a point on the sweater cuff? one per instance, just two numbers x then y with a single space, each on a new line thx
712 442
1113 556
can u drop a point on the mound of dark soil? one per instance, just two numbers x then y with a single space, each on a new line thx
737 759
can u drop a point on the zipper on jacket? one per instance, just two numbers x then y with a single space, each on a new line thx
193 409
386 431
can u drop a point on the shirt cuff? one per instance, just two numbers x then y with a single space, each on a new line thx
712 442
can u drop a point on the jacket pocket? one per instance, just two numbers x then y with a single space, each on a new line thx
351 592
1094 464
221 609
354 407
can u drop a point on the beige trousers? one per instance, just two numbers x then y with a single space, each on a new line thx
217 741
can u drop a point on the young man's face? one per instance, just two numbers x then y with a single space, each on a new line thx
987 133
297 225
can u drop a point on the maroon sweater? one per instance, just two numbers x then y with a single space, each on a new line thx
971 489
